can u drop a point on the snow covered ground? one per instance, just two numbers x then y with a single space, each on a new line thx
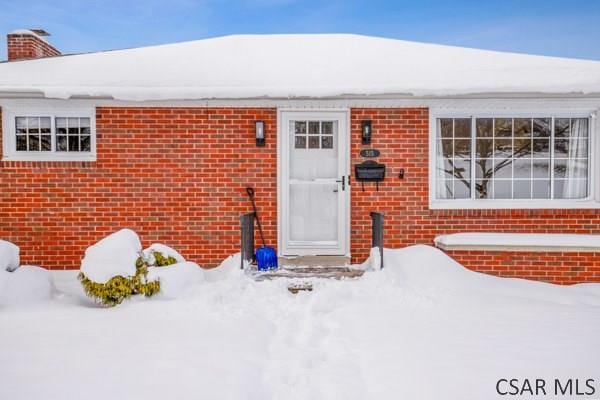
422 328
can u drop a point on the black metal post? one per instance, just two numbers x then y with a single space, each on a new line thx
247 238
377 232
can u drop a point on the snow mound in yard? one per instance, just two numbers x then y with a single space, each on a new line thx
115 255
9 256
164 250
426 267
228 268
27 284
176 279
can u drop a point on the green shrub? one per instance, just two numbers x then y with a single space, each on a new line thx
161 260
120 288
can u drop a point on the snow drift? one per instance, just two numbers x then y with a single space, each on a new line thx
9 256
425 267
28 284
176 279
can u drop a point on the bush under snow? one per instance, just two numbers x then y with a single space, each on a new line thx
27 284
9 256
115 255
116 268
24 285
164 251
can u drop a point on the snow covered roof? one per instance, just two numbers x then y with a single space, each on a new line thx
285 66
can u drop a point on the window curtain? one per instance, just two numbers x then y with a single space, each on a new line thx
576 170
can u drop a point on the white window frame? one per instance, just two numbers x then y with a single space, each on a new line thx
9 139
592 201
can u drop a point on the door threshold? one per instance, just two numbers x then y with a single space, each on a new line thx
314 261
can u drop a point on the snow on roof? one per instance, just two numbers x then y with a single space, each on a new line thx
284 66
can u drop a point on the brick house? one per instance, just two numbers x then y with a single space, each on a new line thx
165 139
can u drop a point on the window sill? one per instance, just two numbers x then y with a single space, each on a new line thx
512 204
533 242
51 158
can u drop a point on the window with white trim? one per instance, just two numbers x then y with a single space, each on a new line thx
49 136
512 158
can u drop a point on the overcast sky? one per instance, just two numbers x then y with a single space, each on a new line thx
567 28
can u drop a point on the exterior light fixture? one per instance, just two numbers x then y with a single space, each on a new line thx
366 132
259 131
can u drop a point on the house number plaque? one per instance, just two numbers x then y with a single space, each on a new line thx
369 153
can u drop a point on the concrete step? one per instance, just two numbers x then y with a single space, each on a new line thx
314 261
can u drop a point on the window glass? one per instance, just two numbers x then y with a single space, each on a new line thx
42 133
454 158
33 134
73 134
513 158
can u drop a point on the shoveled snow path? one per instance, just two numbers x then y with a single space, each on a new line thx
308 357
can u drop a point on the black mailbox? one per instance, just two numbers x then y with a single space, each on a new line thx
369 171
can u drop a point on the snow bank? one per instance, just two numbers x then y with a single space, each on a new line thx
230 267
176 279
254 66
112 256
425 267
164 249
9 256
28 284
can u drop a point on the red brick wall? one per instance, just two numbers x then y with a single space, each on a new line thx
402 136
28 46
556 267
177 176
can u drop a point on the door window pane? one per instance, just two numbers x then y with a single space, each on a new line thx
312 156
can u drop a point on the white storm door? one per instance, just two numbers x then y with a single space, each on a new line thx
314 190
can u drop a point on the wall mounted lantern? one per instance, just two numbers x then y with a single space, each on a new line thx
259 132
366 131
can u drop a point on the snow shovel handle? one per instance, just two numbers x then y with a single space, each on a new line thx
250 192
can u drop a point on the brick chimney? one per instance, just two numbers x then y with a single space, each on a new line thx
27 44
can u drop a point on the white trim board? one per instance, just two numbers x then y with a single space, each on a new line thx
534 242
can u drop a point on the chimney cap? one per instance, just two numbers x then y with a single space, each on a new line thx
40 32
35 31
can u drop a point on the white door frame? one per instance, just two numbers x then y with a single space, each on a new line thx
283 143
